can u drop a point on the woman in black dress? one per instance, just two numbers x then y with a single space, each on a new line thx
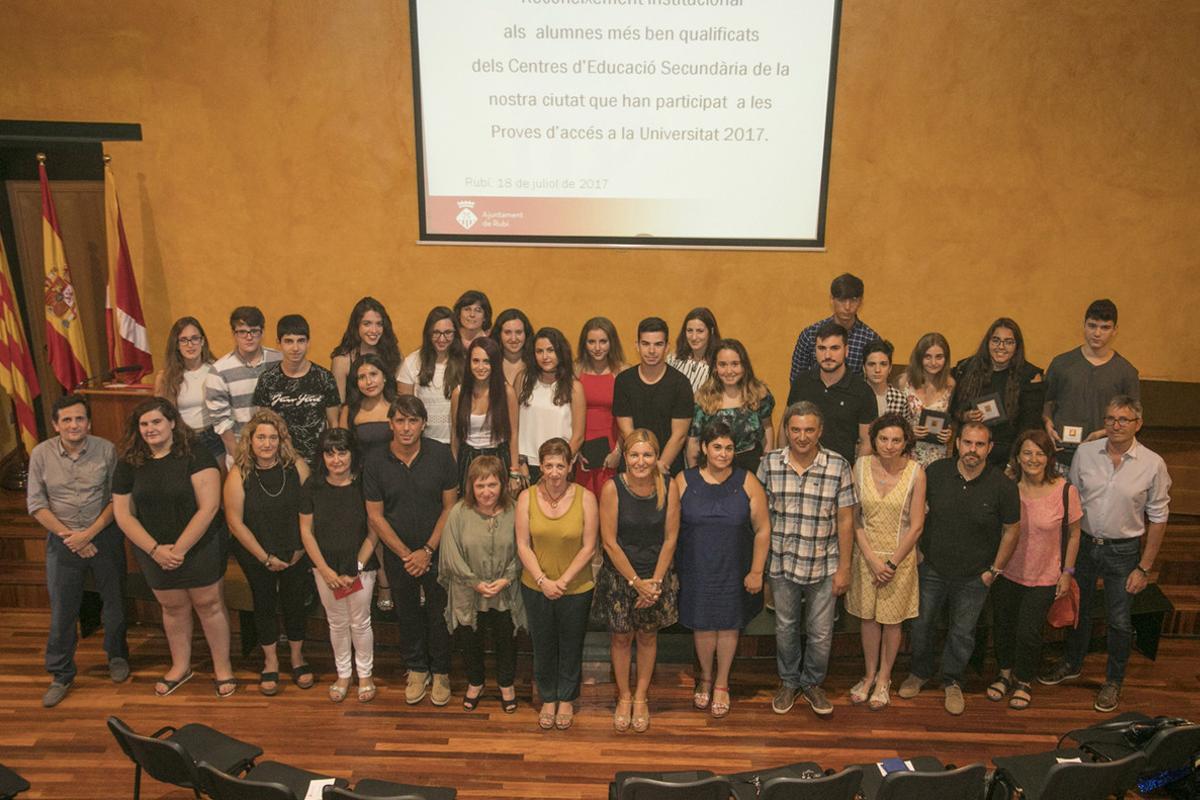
636 588
166 495
262 507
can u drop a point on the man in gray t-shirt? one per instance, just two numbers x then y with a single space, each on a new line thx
1081 382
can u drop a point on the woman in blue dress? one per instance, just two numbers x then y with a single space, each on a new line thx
724 536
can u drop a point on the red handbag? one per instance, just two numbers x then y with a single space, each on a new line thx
1064 611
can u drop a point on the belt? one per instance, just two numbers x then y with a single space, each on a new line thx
1098 542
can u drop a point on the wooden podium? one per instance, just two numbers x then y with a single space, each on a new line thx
111 407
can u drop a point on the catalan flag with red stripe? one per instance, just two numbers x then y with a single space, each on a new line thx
128 344
17 374
64 329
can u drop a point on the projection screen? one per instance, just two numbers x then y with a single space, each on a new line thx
676 123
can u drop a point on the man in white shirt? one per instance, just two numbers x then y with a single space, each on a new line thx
1124 490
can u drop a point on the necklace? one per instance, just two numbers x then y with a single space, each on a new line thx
266 491
554 501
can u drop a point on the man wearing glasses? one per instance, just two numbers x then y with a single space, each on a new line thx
1123 486
229 388
1081 381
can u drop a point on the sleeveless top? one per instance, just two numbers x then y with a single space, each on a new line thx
556 542
190 400
884 516
599 422
372 437
479 433
541 420
641 527
272 508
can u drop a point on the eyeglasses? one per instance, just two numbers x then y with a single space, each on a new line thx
441 334
247 333
998 342
1120 422
190 340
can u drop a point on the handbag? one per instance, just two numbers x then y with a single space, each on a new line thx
1064 611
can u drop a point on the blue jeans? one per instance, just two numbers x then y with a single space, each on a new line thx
65 572
424 638
819 604
1112 561
965 598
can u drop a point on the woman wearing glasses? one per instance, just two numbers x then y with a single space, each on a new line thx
188 362
434 369
999 372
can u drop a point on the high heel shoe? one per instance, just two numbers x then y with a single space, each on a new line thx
622 716
881 697
641 720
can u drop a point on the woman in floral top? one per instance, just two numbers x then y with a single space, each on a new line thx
734 395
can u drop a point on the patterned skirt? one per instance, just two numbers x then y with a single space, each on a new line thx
613 604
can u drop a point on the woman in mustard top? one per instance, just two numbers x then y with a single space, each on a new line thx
556 537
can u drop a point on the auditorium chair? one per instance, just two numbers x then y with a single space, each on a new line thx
693 785
929 781
173 759
802 781
11 784
1166 746
369 789
1042 776
269 780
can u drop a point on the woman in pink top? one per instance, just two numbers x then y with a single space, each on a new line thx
1038 572
599 359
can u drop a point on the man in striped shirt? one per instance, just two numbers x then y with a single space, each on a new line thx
229 388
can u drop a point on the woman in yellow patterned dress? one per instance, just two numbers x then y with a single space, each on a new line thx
887 524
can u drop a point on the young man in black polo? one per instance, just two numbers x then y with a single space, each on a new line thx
303 393
409 489
971 530
846 402
654 396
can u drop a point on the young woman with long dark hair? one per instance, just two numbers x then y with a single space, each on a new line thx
484 414
432 371
369 330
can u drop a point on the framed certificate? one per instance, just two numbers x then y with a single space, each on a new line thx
935 422
1072 434
992 408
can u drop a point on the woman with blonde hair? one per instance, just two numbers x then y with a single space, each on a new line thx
636 589
928 386
188 361
732 393
262 508
478 565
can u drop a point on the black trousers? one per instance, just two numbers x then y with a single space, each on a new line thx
424 638
285 590
1018 617
499 625
558 628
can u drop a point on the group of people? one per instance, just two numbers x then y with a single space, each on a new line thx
470 486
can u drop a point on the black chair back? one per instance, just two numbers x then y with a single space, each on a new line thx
223 786
1172 748
1089 780
964 783
714 788
338 793
163 760
11 784
843 785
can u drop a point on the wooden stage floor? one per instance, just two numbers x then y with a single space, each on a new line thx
67 752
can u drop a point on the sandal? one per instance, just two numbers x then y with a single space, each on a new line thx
720 709
268 677
469 702
860 692
641 720
998 689
383 598
546 720
881 697
702 695
338 692
220 684
621 721
1021 698
563 719
366 692
172 685
508 705
304 670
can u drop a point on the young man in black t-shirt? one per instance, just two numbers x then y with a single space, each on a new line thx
303 393
654 396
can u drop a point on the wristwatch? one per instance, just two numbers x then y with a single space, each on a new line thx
888 563
1143 570
427 549
995 571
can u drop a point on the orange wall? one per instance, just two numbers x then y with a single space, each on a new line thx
990 157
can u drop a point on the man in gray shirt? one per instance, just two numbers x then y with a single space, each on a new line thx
70 495
1081 382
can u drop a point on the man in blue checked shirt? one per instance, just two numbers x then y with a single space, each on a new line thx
811 499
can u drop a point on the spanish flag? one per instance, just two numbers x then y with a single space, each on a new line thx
64 329
128 345
17 374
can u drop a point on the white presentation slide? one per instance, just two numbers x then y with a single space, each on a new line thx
636 122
